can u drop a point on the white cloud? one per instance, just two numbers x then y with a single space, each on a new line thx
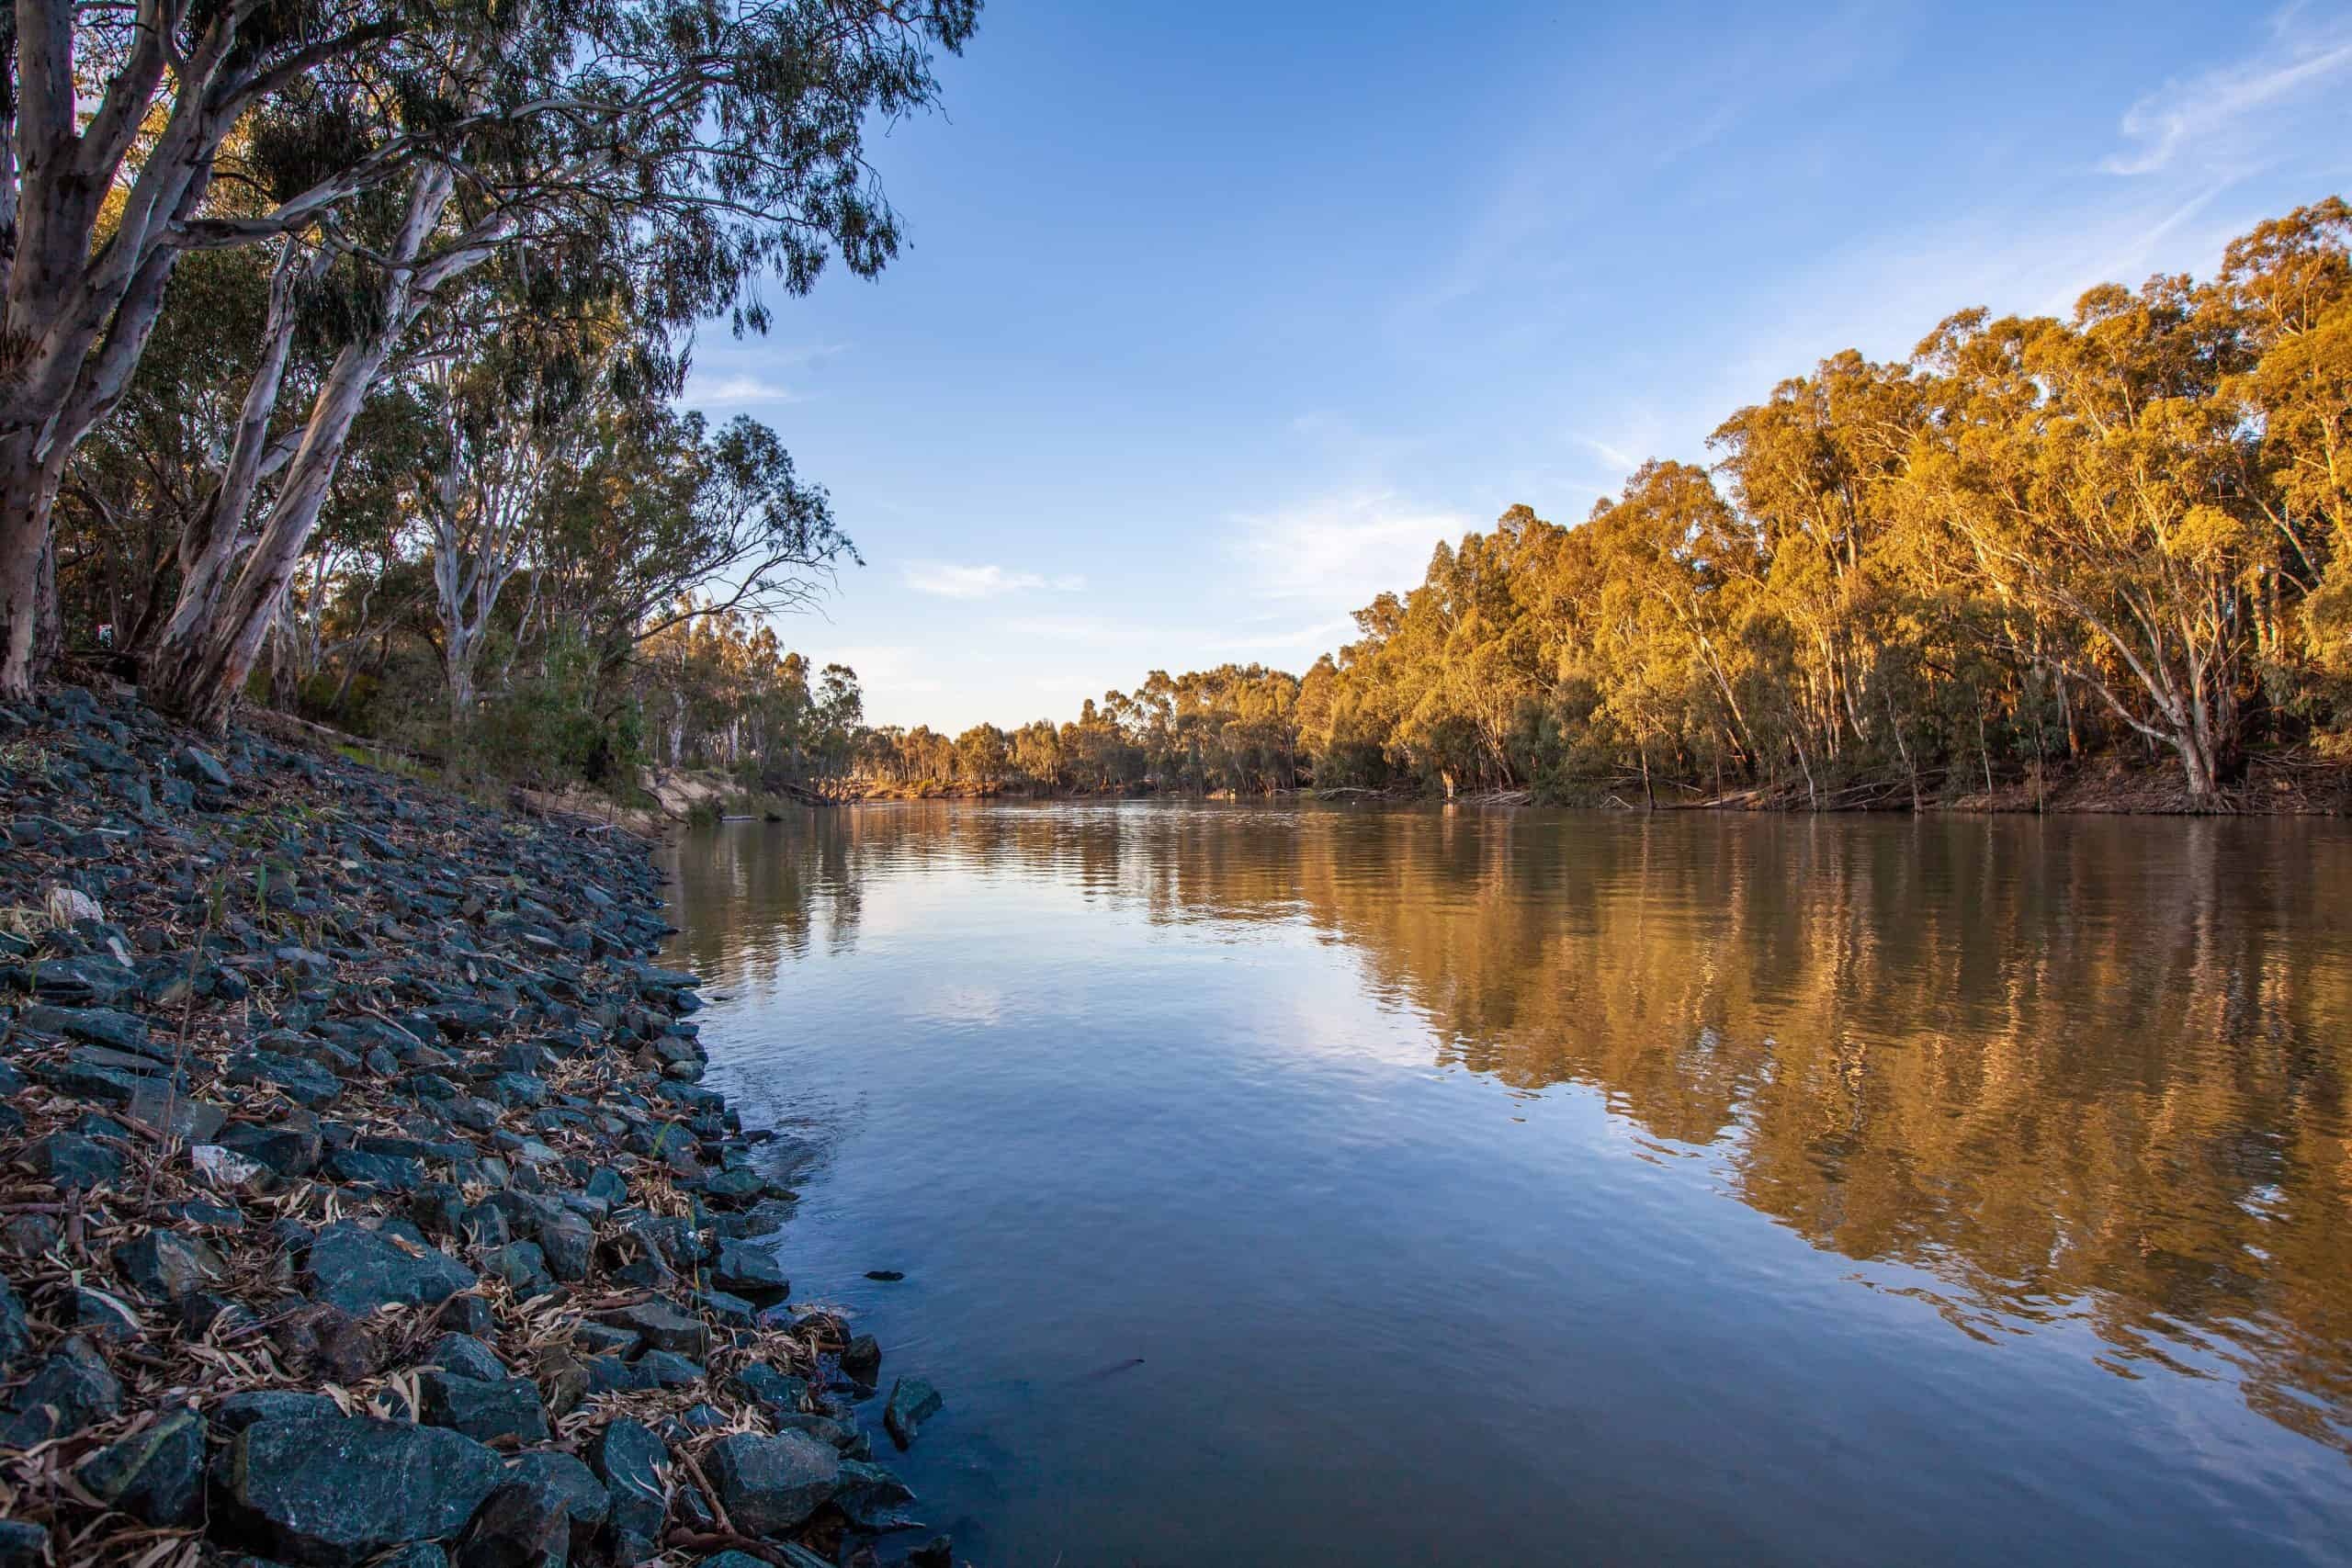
744 389
2213 118
1340 550
947 579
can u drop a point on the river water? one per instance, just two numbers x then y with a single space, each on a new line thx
1432 1186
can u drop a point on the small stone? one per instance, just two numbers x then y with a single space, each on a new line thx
99 1026
85 980
749 1272
155 1475
200 767
522 1265
483 1409
861 1360
304 1082
105 1318
521 1525
568 1243
328 1340
389 1173
913 1402
628 1457
285 1149
74 1163
585 1503
72 1388
868 1494
22 1545
165 1108
660 1326
16 1333
777 1393
162 1265
465 1356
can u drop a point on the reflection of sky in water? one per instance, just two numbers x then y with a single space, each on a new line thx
1397 1144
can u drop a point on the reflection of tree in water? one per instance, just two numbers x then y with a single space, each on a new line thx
2090 1068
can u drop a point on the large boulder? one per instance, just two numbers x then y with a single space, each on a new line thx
769 1486
334 1491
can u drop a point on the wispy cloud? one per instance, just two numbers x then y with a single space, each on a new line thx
744 389
949 580
2210 116
1340 550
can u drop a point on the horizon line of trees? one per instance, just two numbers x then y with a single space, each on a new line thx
2126 533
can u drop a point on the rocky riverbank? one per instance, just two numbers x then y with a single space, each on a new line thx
359 1202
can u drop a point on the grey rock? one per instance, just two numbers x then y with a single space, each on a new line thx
83 980
522 1525
334 1491
239 1411
750 1271
285 1149
625 1456
162 1265
778 1393
861 1360
465 1356
769 1486
99 1026
155 1475
200 767
359 1270
16 1333
74 1163
303 1082
585 1502
660 1326
870 1495
913 1402
22 1545
484 1409
72 1388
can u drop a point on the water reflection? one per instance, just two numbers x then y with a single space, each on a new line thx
2084 1069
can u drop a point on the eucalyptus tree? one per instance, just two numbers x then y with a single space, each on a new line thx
695 149
113 122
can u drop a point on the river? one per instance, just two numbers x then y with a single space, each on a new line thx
1389 1186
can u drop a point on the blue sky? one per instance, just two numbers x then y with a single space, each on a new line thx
1218 316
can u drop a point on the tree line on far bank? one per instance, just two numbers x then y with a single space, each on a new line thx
2124 534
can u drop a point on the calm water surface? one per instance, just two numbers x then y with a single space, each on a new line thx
1392 1186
